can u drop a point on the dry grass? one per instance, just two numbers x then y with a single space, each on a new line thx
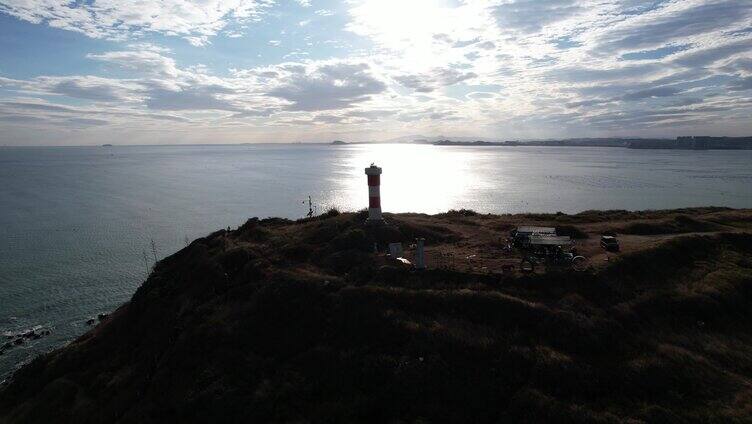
282 321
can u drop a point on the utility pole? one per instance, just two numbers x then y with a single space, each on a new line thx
146 263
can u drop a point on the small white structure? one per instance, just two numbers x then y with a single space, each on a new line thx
535 230
522 235
374 195
420 253
549 240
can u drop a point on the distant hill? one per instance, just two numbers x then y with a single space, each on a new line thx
569 142
695 143
683 143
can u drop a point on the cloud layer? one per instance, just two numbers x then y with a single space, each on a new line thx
122 19
374 69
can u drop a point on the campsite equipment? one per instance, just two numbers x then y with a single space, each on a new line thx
521 235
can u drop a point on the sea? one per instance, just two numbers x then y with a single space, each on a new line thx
81 226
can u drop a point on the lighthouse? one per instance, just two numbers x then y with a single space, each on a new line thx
374 195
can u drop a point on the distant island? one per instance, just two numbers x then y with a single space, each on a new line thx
107 145
338 142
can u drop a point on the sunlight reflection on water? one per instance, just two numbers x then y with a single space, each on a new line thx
416 178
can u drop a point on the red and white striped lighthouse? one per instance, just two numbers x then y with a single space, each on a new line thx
374 195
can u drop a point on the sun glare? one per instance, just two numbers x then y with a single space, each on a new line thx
425 178
396 22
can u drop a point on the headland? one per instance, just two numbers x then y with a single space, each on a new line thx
312 321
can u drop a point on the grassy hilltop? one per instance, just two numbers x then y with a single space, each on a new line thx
299 321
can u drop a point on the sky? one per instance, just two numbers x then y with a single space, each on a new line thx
88 72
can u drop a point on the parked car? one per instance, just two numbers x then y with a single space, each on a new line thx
610 243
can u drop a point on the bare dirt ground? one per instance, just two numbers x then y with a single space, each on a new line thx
480 239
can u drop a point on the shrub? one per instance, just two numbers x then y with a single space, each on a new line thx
331 213
354 238
571 231
432 233
461 212
680 224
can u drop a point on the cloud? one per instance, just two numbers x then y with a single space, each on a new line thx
87 122
651 93
710 54
233 34
40 106
486 45
419 26
124 19
436 78
558 68
529 16
676 21
687 101
206 97
578 74
89 88
329 119
738 66
480 95
38 110
472 55
429 114
21 119
373 114
80 87
325 86
465 43
646 119
588 102
141 61
741 84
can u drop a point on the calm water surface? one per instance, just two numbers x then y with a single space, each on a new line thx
75 221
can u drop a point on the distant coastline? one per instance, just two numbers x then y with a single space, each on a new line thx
679 143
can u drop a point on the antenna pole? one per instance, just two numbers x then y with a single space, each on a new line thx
154 251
